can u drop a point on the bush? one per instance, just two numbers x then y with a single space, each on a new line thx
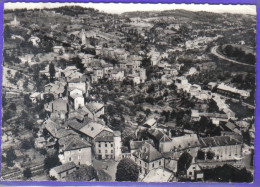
27 173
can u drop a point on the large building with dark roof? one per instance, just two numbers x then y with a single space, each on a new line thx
224 147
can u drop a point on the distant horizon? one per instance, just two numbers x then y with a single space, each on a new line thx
120 8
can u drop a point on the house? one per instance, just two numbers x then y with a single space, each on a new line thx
142 74
78 85
148 158
159 175
98 72
150 123
108 145
160 139
83 173
56 88
57 108
194 172
107 67
34 40
188 142
40 142
231 91
224 147
76 150
232 127
134 78
116 74
60 172
58 49
76 98
136 145
34 97
243 125
94 109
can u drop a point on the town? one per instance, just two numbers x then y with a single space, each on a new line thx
165 96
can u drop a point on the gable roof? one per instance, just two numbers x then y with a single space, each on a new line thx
64 167
94 106
92 129
159 135
76 143
138 144
150 122
148 153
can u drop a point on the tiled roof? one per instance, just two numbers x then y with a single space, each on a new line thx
94 106
74 124
148 153
159 135
138 144
84 173
64 167
230 125
104 139
92 129
185 142
76 143
218 141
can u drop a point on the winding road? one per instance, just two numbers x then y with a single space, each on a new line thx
214 52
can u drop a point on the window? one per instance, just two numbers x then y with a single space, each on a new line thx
105 145
190 173
99 145
99 151
111 145
160 163
111 151
140 162
105 151
69 158
153 165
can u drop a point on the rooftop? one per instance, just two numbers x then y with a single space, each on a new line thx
64 167
148 153
158 175
218 141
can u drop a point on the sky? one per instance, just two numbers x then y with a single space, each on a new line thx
118 8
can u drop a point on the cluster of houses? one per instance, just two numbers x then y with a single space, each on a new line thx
161 153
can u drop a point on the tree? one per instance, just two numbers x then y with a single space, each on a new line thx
51 161
10 157
27 173
27 144
127 170
210 155
7 115
201 155
52 71
229 50
184 162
